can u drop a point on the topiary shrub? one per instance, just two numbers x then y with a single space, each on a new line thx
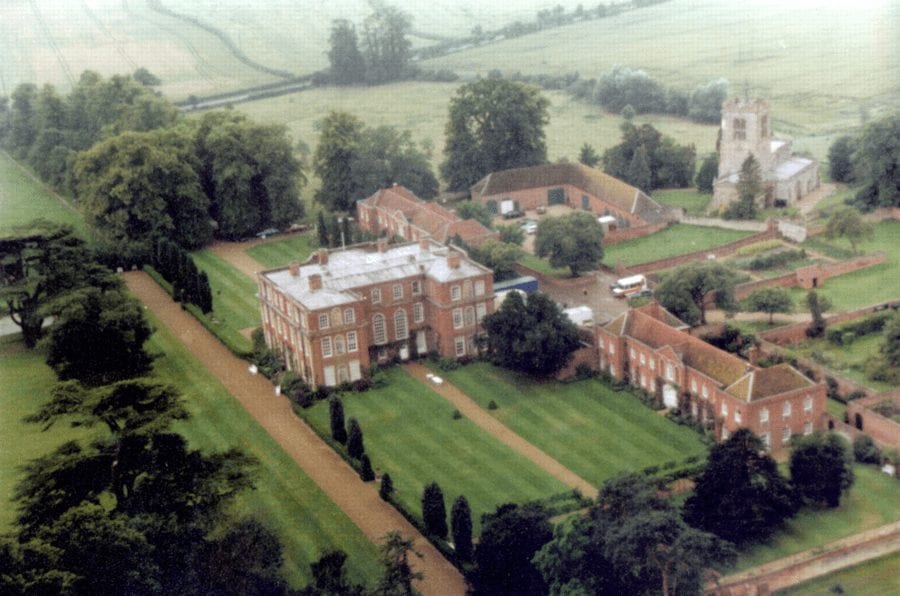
492 405
865 451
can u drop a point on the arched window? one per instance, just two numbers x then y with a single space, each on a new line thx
401 330
378 332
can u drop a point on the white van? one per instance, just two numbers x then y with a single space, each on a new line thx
629 285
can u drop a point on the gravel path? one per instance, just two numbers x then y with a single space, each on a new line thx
471 410
359 500
233 253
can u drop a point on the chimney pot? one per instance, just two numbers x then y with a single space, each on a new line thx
453 260
294 269
382 244
424 244
323 256
315 282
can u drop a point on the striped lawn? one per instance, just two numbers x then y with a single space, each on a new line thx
234 298
678 239
285 499
410 433
281 252
591 429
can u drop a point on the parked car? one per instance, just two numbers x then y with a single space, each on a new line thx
267 232
529 226
515 213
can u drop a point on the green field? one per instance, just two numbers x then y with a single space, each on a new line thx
285 498
874 500
543 266
676 240
865 286
235 308
848 361
817 63
693 202
591 429
279 253
410 433
878 576
23 199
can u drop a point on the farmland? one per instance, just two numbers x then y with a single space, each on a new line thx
410 433
593 430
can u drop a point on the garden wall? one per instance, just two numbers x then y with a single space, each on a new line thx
813 275
587 354
719 251
623 234
728 224
796 333
884 430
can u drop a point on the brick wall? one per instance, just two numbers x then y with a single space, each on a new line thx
844 386
796 333
714 222
720 251
623 234
587 354
741 291
884 430
813 275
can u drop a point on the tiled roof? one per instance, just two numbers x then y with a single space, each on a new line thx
435 220
765 382
596 182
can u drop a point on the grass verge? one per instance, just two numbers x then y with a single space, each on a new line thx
878 576
23 199
279 253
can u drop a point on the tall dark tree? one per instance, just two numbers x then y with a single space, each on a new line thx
339 137
366 473
98 337
771 301
494 124
330 577
706 101
510 537
23 125
386 486
397 574
434 511
684 290
749 187
740 496
574 241
461 528
322 230
386 156
638 173
817 306
821 468
347 64
588 155
706 175
840 159
355 446
385 45
671 165
336 416
39 263
533 336
876 163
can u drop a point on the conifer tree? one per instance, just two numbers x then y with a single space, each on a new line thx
461 528
434 512
355 445
365 468
336 413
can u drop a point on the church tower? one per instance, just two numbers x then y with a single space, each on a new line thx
745 130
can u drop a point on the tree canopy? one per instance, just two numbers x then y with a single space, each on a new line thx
510 537
494 124
749 186
498 256
574 241
706 175
385 46
821 468
740 496
649 160
876 163
683 291
840 159
533 336
847 223
770 300
347 63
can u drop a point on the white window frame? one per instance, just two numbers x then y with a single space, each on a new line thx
352 343
418 312
349 316
459 344
694 386
738 417
397 291
786 435
339 345
767 440
705 391
786 409
376 295
481 312
612 348
643 359
469 316
379 329
764 415
327 349
670 371
724 409
324 321
807 428
455 293
807 403
416 287
401 324
479 287
457 318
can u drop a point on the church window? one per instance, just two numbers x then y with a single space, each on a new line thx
740 129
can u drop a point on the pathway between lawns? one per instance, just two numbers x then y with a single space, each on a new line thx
471 410
810 564
359 500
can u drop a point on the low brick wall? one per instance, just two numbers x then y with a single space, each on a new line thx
623 234
719 251
796 333
585 279
714 222
813 275
788 280
884 430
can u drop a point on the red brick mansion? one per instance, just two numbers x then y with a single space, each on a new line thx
341 310
651 348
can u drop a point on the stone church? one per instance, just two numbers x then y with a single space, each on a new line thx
747 130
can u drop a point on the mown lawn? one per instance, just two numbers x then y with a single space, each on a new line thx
235 308
676 240
279 253
285 498
410 433
690 199
874 500
849 361
25 384
24 199
867 286
544 266
878 576
591 429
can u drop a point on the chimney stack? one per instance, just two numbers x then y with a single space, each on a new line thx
294 269
424 243
323 256
315 282
382 244
453 260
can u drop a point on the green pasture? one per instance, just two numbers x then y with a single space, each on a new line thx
25 384
878 576
235 308
818 65
690 199
874 500
285 499
675 240
410 433
23 198
848 361
279 253
867 286
591 429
